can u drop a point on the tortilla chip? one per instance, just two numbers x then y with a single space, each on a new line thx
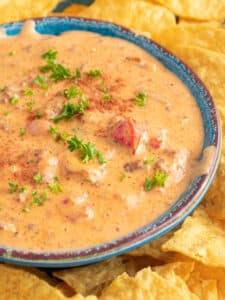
198 35
200 238
147 285
199 10
16 283
188 271
14 10
81 278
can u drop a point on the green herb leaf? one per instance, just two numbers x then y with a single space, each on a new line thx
70 109
54 132
159 179
41 81
140 99
13 187
30 105
39 115
36 199
106 97
77 73
13 100
5 113
94 73
37 178
72 92
88 150
55 187
22 132
149 159
50 55
27 92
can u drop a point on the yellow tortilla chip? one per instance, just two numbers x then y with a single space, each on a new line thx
147 285
200 238
187 270
199 10
198 35
14 10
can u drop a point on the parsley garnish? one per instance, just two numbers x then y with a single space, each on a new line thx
5 113
41 81
37 178
50 54
94 73
37 200
158 180
13 100
140 99
39 115
54 132
2 89
88 150
13 187
28 92
22 132
55 187
77 73
149 159
72 92
30 105
106 97
59 72
70 109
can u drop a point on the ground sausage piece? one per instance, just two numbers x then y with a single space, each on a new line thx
127 133
133 165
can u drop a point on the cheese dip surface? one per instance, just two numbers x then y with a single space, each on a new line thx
97 139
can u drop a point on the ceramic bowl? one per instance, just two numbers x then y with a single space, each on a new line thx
188 200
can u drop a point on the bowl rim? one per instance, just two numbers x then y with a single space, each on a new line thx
69 258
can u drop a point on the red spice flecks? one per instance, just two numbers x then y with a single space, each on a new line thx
127 133
155 143
66 201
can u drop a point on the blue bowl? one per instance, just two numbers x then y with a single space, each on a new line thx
184 205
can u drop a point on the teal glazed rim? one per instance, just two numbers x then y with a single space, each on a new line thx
187 202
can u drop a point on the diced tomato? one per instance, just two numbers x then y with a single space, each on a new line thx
155 143
127 133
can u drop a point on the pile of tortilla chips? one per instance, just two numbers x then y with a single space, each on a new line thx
188 263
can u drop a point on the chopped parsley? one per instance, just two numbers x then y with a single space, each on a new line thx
2 89
12 53
149 159
77 73
22 132
88 150
37 200
54 132
13 100
59 72
50 55
158 179
140 99
55 187
72 92
106 97
5 113
28 92
39 115
94 73
30 105
70 109
123 176
37 178
13 187
41 81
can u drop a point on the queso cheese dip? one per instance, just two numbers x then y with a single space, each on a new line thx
97 139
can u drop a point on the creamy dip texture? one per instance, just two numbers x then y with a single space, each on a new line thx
97 139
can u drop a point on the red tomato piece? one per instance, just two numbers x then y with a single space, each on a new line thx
155 143
127 133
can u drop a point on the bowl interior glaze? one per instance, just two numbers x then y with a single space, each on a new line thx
184 205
